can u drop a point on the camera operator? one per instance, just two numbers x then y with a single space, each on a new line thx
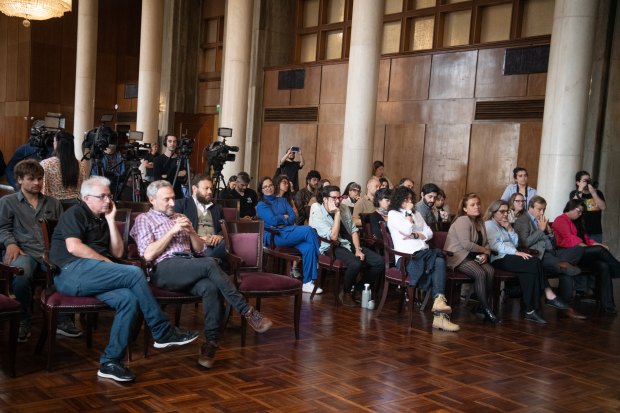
149 163
63 173
22 153
165 166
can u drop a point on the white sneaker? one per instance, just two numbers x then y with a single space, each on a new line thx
309 287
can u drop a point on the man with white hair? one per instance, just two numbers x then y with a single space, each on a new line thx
84 243
169 240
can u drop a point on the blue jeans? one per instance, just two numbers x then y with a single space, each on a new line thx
219 251
305 240
22 285
122 287
438 276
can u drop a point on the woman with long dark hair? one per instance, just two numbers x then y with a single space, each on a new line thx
63 173
279 215
283 190
570 230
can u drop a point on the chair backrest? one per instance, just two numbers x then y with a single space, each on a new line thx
123 223
388 244
228 203
439 240
366 227
134 206
244 239
231 214
66 205
48 225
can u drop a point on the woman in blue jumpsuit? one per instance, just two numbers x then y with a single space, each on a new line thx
278 214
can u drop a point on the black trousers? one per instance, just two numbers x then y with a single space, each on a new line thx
369 275
565 282
531 277
607 267
202 277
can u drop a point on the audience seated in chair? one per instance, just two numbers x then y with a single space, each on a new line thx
84 243
407 183
410 235
333 221
516 207
247 196
284 189
427 202
313 204
504 240
384 183
570 230
169 240
20 232
351 194
366 203
441 210
382 203
204 215
467 240
534 232
279 215
303 196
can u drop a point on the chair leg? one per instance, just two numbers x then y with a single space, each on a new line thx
244 327
51 332
401 299
337 287
597 286
297 313
469 293
95 319
13 334
177 315
89 329
426 297
386 284
496 290
44 330
257 304
410 304
147 340
318 282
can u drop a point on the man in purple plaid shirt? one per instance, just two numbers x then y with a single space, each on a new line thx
177 251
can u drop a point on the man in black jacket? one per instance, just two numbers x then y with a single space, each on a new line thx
204 215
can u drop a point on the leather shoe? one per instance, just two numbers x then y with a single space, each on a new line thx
206 354
557 302
571 313
357 296
566 268
610 310
347 299
534 317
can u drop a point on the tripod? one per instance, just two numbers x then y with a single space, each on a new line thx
181 158
135 175
218 179
97 165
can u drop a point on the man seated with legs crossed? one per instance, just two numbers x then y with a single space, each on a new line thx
83 245
170 242
333 221
20 232
204 215
535 232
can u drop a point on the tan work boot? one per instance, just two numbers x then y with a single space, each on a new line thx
441 305
206 354
257 321
442 322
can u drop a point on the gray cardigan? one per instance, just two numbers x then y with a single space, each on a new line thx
459 240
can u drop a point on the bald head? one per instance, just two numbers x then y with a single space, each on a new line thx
372 186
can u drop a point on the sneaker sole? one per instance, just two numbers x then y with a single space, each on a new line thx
179 343
111 376
447 329
444 311
318 291
267 327
64 333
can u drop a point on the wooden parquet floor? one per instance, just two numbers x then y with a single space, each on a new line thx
346 360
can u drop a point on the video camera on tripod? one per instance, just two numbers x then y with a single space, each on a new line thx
42 133
218 153
136 151
97 141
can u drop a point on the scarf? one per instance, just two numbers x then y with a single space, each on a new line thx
383 213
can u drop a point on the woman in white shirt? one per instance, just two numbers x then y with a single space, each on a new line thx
409 234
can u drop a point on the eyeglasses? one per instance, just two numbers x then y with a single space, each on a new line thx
504 212
268 186
102 197
336 198
354 190
579 210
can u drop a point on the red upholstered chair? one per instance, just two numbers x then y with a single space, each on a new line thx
134 206
231 207
329 263
245 251
453 278
67 205
9 310
281 264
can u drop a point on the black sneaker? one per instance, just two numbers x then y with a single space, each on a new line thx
67 328
557 302
115 370
176 337
24 331
610 310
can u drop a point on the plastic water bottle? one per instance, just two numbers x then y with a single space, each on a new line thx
365 296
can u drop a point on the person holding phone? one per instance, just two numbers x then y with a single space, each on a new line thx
290 167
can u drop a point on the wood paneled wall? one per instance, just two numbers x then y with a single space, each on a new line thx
425 127
37 67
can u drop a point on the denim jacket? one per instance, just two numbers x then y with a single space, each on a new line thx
500 240
323 222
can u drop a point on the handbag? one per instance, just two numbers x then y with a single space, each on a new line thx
512 289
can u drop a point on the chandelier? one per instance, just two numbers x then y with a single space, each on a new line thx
35 9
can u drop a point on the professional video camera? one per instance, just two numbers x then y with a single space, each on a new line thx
42 133
186 145
218 153
134 153
136 150
97 140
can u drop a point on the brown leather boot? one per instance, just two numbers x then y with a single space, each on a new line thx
206 355
357 296
347 299
257 321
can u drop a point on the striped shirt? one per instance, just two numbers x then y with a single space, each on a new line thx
153 226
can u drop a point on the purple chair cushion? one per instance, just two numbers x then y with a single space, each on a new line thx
8 305
455 275
246 246
121 227
287 250
394 275
324 259
438 240
505 274
64 300
261 282
159 293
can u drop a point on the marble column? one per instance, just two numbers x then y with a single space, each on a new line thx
360 113
149 76
236 78
85 71
566 101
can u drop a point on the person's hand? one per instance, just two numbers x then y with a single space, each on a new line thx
523 255
409 206
582 185
331 206
285 216
581 244
215 240
108 260
111 214
360 254
247 218
542 222
487 252
506 225
421 236
164 176
444 215
288 152
604 246
299 151
182 224
483 259
182 173
12 253
591 189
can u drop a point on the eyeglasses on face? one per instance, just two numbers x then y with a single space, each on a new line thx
335 198
268 186
579 211
503 211
102 197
